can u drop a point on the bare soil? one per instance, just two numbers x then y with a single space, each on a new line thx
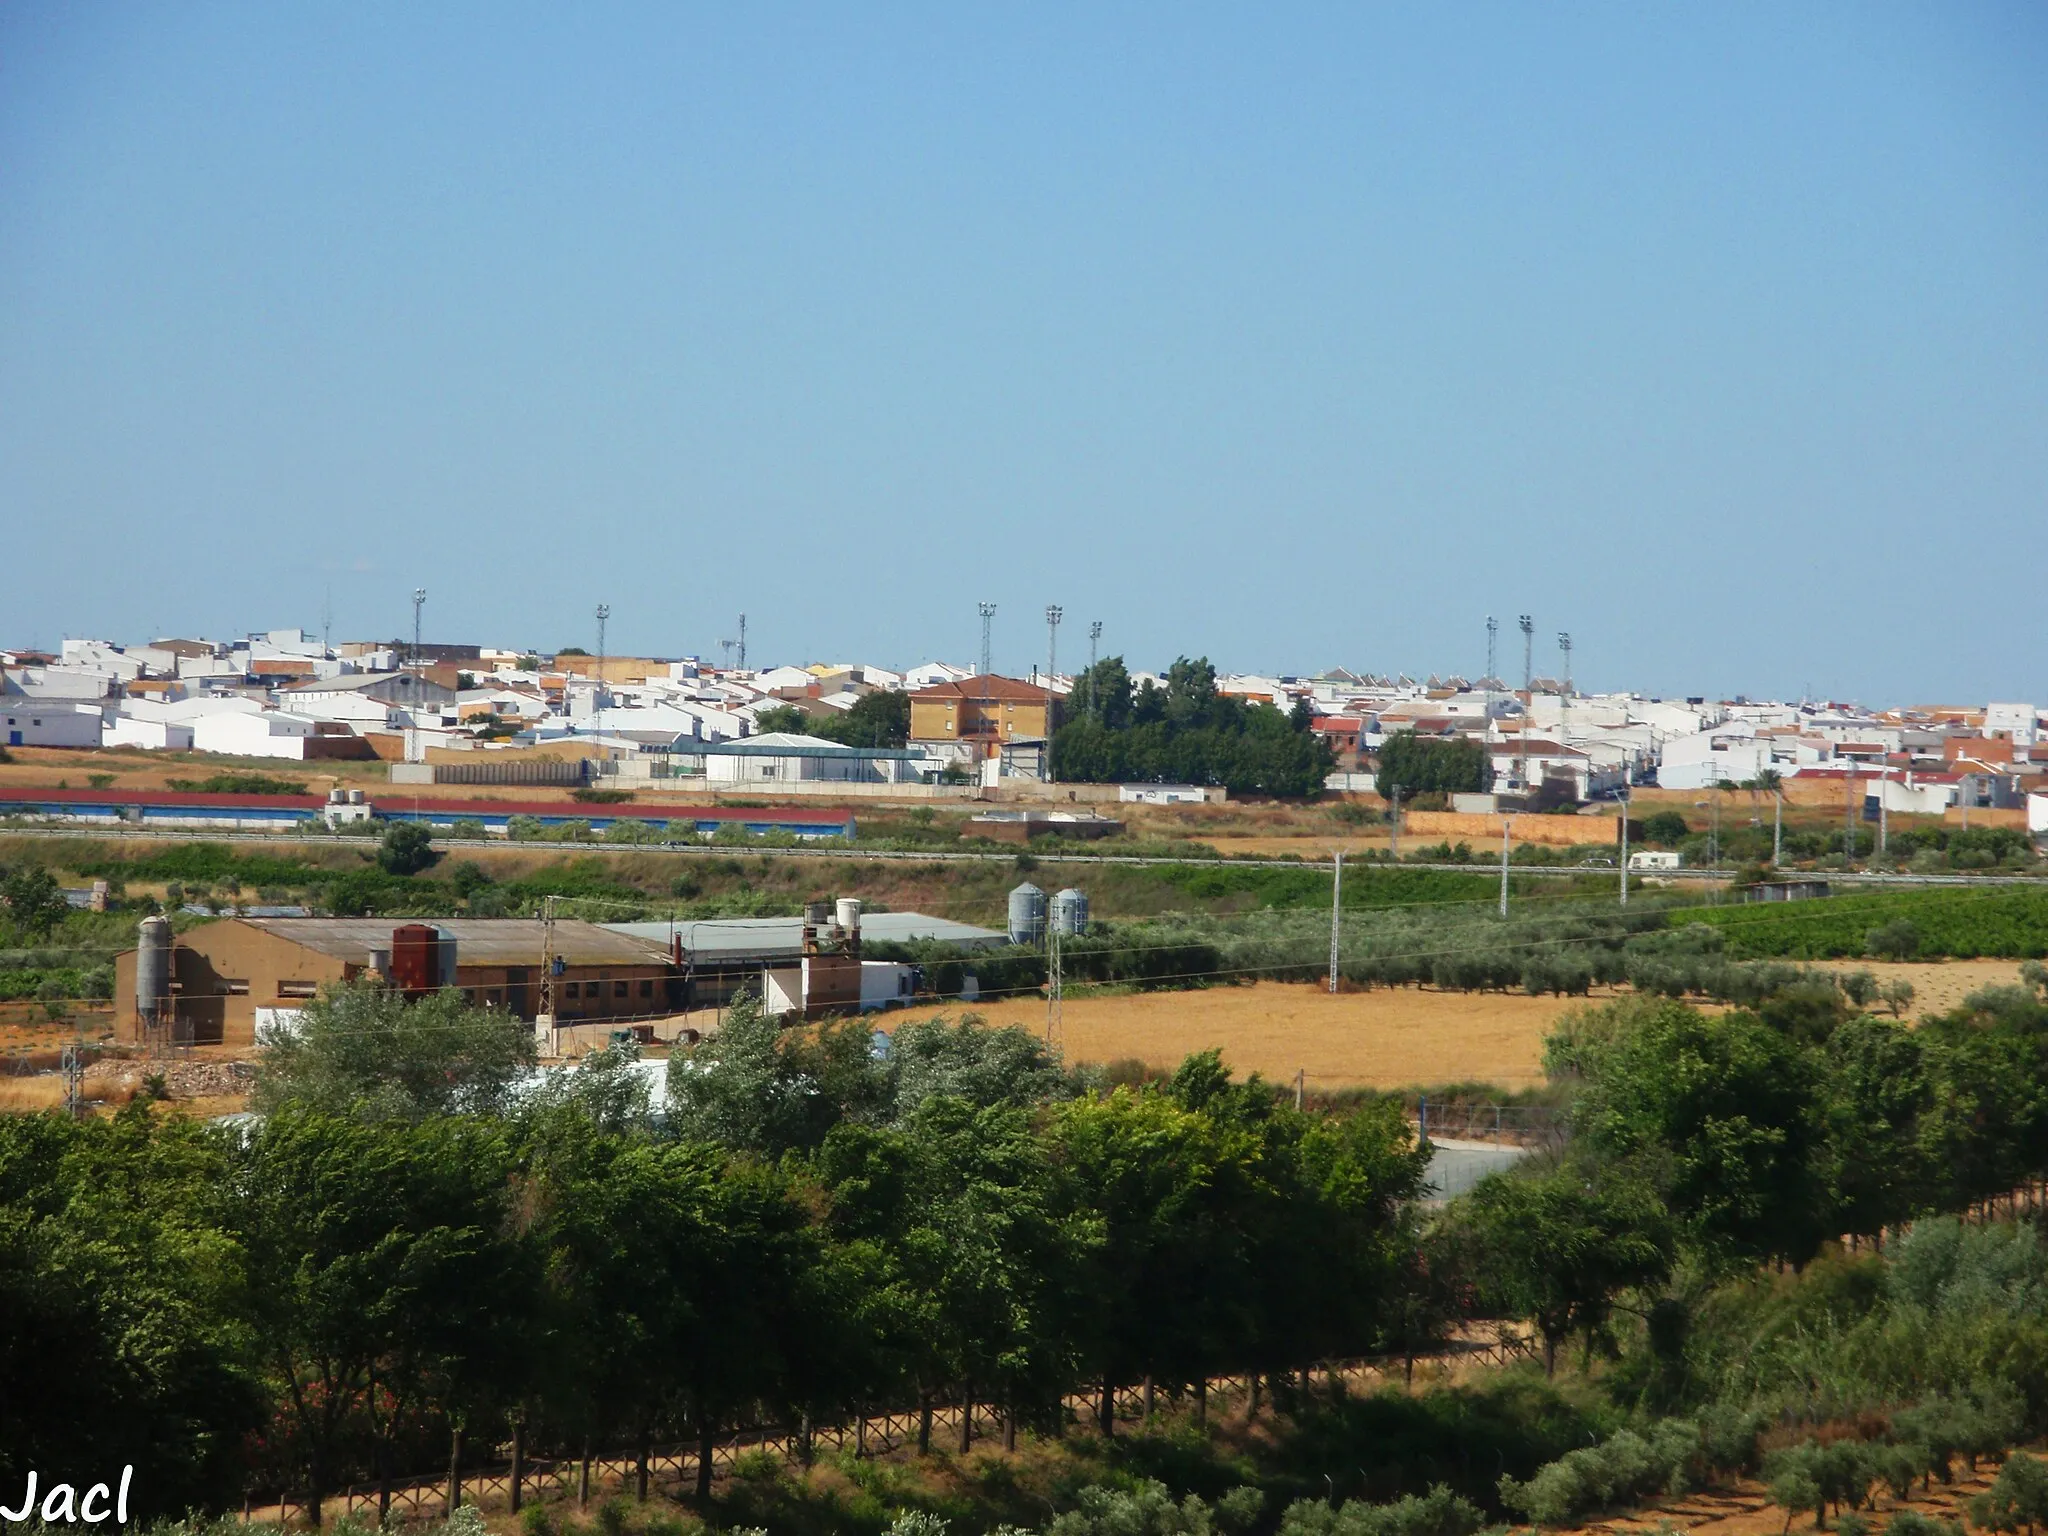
1390 1037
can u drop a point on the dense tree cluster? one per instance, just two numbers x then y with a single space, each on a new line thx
1718 1142
1184 733
1420 765
800 1227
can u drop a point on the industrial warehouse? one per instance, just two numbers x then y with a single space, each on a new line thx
224 983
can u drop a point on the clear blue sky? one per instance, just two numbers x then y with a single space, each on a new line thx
1297 335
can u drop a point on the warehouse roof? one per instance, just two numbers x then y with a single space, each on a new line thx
478 940
730 940
792 744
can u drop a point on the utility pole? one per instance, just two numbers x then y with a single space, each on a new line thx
1884 779
1055 983
544 1017
1336 914
604 612
1777 825
1528 627
1505 823
1053 614
981 724
1094 639
419 598
1394 826
1848 818
743 642
1624 838
71 1062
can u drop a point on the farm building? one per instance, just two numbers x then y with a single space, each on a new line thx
231 978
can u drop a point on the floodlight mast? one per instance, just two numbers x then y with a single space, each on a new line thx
1053 614
604 613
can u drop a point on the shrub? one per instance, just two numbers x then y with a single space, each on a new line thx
1441 1513
1895 940
1624 1469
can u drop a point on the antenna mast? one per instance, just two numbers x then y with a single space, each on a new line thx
743 642
1492 639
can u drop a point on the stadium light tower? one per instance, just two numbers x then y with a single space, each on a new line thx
1053 614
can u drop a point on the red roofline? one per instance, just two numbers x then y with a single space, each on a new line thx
192 800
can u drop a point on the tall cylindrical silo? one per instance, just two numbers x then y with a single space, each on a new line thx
1027 915
153 969
1070 912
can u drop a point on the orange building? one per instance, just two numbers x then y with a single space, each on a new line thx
986 713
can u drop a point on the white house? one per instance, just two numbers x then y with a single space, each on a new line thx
931 673
265 733
49 723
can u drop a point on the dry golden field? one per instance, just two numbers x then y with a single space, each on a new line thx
1398 1037
1386 1038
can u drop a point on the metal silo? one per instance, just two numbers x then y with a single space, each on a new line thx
1027 915
153 970
1070 912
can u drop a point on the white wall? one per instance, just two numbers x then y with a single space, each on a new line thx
49 723
156 735
260 735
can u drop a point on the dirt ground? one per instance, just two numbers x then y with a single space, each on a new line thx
1937 985
1745 1511
1386 1038
1398 1037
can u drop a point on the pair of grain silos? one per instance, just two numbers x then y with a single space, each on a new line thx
1030 911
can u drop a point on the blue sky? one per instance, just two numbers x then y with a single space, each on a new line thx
1297 335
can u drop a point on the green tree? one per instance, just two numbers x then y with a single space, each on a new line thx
35 902
1177 1195
1421 765
123 1337
879 719
407 848
380 1276
784 718
1558 1248
1874 1091
1666 828
1722 1115
364 1049
977 1256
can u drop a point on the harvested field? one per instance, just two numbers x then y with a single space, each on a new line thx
1386 1038
1399 1037
1938 985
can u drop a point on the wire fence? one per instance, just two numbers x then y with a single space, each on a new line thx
672 1468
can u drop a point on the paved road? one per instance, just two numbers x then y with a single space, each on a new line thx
1458 1165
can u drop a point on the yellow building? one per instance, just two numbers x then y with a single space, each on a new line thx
986 713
